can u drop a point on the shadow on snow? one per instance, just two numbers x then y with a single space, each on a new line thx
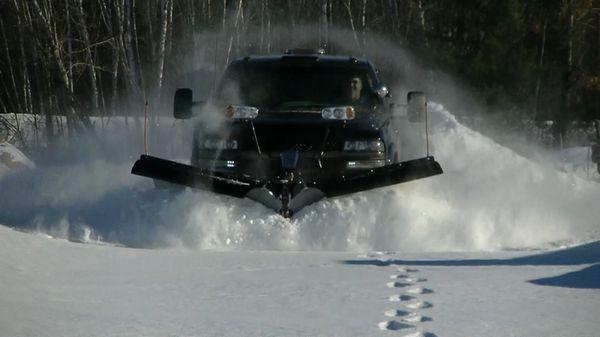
588 278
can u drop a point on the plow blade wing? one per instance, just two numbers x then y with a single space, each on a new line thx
187 175
242 186
379 177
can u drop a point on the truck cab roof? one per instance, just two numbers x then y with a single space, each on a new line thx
307 59
299 80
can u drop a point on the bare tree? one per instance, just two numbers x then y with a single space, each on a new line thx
538 82
348 5
88 53
16 97
364 25
46 13
238 13
166 6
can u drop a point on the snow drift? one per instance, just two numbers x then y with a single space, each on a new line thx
12 158
488 198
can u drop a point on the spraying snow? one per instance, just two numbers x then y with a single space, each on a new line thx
488 198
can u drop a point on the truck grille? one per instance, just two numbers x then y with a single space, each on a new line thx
278 138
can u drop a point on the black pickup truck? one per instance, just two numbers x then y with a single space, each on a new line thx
294 128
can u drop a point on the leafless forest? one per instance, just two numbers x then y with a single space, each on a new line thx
534 59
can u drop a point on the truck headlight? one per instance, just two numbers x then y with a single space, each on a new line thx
364 145
241 112
338 112
219 144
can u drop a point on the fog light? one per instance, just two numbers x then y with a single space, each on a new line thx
230 163
365 164
219 144
364 145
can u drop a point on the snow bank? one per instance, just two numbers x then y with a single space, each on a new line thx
577 160
12 158
488 198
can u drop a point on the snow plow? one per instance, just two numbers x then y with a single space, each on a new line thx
296 128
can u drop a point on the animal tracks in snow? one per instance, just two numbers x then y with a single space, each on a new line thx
418 304
401 298
415 318
397 313
419 290
397 284
409 305
407 278
394 325
407 270
421 334
409 317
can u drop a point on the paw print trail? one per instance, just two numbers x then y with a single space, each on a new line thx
408 318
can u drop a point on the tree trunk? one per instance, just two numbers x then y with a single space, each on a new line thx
598 45
10 68
65 72
26 94
115 45
563 116
224 16
269 36
50 132
324 27
364 26
128 31
68 73
262 27
88 53
234 31
209 13
165 9
408 21
538 83
5 107
348 4
291 15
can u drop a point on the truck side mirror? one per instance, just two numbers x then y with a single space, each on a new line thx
182 104
416 107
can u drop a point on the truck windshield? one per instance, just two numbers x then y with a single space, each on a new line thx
289 87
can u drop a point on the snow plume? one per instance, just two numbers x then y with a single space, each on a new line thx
84 190
489 197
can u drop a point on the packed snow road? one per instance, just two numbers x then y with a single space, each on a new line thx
58 288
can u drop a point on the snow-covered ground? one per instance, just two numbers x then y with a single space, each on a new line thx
497 246
58 288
